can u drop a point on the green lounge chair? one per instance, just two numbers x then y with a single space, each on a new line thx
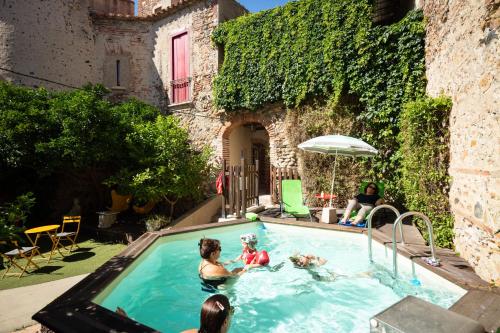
291 199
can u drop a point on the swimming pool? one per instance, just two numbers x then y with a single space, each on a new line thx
161 289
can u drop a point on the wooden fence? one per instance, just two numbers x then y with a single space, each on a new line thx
277 174
240 188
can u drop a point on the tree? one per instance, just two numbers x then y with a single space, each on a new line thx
166 167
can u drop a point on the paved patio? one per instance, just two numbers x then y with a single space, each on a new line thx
17 305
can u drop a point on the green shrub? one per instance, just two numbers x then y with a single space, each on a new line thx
165 166
424 155
157 222
82 137
13 215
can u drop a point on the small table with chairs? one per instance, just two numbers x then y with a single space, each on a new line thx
34 234
49 230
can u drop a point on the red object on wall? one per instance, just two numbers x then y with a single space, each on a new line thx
218 183
180 68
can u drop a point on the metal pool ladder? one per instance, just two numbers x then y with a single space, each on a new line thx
399 221
369 226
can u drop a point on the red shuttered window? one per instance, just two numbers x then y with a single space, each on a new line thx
180 69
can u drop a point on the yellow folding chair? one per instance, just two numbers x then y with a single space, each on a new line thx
18 252
69 236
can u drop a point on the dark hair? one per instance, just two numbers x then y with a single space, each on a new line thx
214 312
375 185
208 246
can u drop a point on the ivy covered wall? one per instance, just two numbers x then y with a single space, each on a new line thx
312 50
325 49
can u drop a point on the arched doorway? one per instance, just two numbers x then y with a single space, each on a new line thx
250 141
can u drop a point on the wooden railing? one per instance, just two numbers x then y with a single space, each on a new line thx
277 174
240 188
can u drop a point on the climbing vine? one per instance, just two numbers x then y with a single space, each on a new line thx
310 49
313 50
424 141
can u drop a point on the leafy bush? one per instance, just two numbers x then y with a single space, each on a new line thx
166 167
13 215
424 154
81 136
157 222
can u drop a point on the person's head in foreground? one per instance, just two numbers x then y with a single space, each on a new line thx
216 315
209 249
249 240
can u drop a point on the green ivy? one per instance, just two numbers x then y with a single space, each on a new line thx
289 53
309 50
326 49
424 141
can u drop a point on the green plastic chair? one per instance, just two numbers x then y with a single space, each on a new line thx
291 199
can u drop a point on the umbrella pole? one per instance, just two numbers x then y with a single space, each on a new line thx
333 178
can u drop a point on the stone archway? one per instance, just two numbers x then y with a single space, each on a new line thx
248 138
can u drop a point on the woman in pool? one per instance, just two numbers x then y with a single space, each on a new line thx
210 270
216 313
250 256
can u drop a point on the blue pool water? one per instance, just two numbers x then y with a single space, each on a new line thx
162 289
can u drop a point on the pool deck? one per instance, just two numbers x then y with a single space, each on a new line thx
482 300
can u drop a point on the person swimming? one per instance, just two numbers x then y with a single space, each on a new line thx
210 270
310 263
307 260
250 255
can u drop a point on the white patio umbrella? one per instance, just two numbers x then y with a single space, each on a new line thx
338 145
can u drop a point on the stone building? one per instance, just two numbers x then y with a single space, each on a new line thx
165 56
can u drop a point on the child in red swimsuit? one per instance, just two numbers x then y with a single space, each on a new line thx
250 255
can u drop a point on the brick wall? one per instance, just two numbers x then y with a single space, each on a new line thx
462 59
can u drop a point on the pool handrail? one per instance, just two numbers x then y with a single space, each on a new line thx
394 245
369 226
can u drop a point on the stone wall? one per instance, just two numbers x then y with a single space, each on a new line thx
149 7
463 61
145 7
130 41
50 39
120 7
274 118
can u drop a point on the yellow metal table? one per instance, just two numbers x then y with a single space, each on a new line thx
49 230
